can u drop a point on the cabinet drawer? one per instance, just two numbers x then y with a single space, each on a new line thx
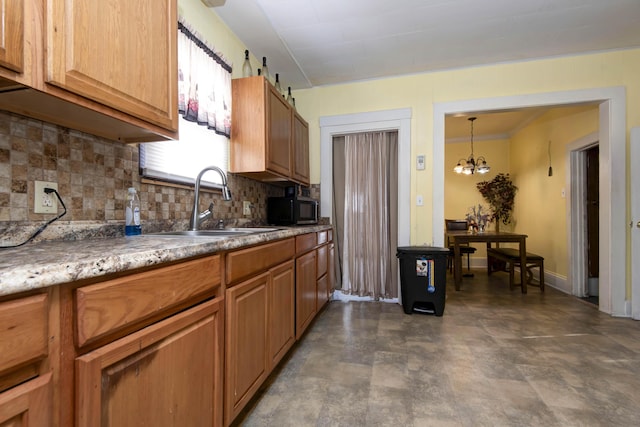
23 331
322 237
248 262
305 242
119 304
329 235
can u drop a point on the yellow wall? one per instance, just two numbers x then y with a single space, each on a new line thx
420 92
540 209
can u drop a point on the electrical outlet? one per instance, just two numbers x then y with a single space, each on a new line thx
246 208
43 202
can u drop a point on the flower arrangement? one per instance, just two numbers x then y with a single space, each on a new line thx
478 217
500 193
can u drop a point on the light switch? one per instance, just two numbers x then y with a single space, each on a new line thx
420 162
419 201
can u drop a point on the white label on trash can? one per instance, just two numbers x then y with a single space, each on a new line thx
425 268
422 267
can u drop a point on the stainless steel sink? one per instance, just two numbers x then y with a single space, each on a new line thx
221 233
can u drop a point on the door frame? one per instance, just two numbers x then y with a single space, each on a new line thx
613 203
399 120
634 223
576 213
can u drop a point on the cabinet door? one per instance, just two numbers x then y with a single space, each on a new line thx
12 35
281 312
331 274
119 53
246 343
279 133
167 374
322 260
323 291
306 293
27 405
300 150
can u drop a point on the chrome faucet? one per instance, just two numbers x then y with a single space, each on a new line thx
197 218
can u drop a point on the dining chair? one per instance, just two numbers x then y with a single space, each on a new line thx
453 225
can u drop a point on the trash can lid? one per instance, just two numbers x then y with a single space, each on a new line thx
422 250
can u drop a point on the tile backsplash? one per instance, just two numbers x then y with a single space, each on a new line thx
93 175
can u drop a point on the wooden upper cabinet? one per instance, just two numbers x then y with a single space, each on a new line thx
119 53
269 141
279 145
12 35
300 149
18 41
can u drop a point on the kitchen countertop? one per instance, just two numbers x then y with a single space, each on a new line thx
39 265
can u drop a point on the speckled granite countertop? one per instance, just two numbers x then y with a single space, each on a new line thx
39 265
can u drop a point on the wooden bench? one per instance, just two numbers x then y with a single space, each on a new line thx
511 259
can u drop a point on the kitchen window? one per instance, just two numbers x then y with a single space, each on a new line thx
180 161
204 93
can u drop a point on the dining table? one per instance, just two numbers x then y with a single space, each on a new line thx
463 237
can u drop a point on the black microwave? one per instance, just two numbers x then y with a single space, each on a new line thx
292 210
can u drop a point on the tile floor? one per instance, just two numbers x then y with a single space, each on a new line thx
496 358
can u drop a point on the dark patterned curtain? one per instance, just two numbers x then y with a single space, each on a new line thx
204 83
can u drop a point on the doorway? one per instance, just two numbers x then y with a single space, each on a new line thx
365 171
383 120
612 143
592 202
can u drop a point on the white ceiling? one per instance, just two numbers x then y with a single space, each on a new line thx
323 42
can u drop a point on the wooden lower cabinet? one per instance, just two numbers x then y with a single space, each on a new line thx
28 405
306 293
282 324
167 374
326 281
323 292
331 268
322 287
26 380
246 343
260 326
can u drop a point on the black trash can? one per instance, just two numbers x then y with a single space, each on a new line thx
423 278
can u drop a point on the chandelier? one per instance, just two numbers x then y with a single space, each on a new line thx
471 165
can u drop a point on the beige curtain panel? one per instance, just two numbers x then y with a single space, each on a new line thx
369 219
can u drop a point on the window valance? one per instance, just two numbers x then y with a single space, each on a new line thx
204 83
